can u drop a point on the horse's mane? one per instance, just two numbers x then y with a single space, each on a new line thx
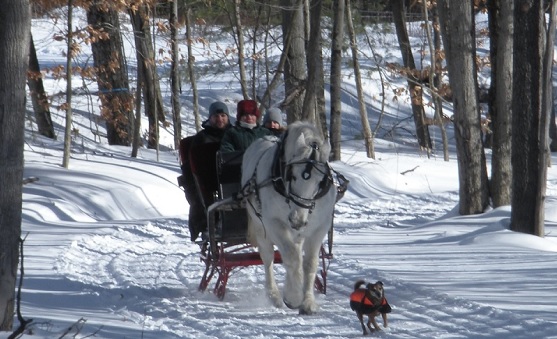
300 137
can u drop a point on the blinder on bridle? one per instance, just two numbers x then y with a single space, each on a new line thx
306 174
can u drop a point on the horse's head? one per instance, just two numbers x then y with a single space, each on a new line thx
306 175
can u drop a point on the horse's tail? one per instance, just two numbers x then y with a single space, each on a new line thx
358 284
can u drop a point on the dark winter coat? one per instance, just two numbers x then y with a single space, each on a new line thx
199 153
209 134
239 138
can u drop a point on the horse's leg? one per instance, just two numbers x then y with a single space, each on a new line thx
311 259
267 253
292 261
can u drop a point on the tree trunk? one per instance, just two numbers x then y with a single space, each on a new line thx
527 149
553 125
191 72
255 43
336 68
68 104
111 72
295 67
366 130
422 131
314 100
14 51
151 88
38 95
552 132
137 121
313 61
433 80
241 58
175 75
458 37
501 97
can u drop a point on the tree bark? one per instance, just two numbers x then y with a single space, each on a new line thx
14 51
528 84
68 103
295 67
191 72
501 98
314 61
336 77
240 41
38 95
175 75
151 88
422 131
366 129
434 74
458 37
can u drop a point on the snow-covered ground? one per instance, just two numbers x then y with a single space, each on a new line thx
108 255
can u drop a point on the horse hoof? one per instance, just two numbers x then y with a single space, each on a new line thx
305 312
289 305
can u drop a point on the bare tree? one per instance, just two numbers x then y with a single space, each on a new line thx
529 138
68 103
240 42
414 87
433 79
191 71
457 29
38 95
151 89
175 75
315 44
366 130
552 132
14 50
500 108
295 67
136 126
111 72
314 63
336 67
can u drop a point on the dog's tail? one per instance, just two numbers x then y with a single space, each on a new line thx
358 284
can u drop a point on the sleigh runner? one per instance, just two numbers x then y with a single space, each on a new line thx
226 248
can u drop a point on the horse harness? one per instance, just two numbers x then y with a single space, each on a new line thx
282 177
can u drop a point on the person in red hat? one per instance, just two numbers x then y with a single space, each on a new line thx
246 130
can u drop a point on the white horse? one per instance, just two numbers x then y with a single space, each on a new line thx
290 205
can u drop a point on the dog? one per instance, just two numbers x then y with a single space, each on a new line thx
369 300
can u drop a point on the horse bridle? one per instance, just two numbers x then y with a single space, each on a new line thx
311 163
281 173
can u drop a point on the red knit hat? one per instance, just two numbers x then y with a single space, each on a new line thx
247 107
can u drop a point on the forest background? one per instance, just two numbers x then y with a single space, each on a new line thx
520 60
